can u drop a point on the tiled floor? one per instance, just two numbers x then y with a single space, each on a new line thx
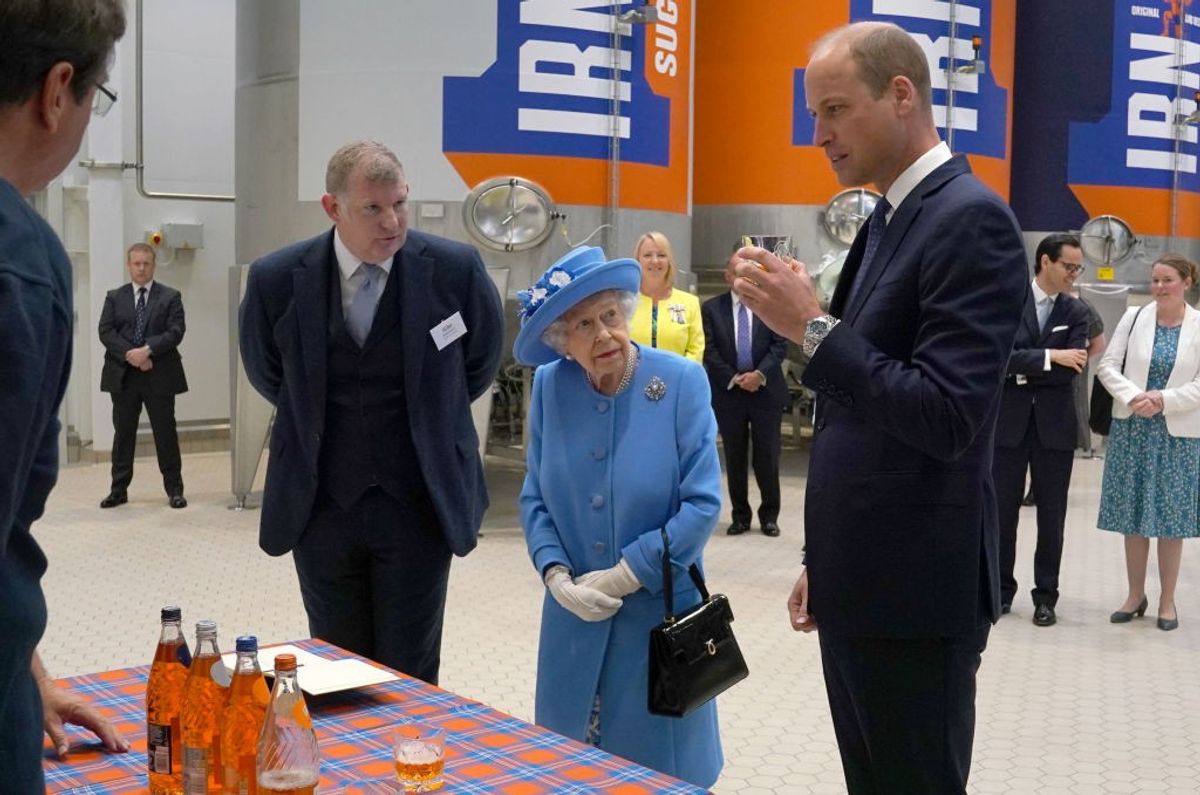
1082 707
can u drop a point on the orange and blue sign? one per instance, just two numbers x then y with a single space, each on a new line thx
753 132
561 85
1127 159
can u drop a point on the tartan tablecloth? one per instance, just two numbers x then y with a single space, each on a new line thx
487 751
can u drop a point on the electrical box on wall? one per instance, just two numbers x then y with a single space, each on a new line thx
183 235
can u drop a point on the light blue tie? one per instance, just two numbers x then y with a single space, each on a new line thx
1043 311
744 362
362 308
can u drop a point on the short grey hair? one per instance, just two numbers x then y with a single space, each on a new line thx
379 164
555 335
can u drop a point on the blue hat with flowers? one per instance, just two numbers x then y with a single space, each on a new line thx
580 273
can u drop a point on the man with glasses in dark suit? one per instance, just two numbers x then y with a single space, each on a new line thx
53 58
1036 430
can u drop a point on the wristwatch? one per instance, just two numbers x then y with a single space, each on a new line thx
817 330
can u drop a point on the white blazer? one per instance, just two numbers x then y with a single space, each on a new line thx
1181 396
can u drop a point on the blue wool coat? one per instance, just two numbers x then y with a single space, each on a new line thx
604 474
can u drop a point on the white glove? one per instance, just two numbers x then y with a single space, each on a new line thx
617 582
586 603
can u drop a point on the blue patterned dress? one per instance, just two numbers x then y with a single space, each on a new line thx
1152 479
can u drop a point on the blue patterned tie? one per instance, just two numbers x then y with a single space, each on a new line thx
139 319
744 363
875 229
362 308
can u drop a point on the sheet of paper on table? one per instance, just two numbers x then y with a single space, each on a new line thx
318 675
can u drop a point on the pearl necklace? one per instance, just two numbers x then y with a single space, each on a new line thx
631 362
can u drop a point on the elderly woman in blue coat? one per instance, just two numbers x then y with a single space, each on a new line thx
621 444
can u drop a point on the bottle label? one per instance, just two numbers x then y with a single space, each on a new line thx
158 743
195 771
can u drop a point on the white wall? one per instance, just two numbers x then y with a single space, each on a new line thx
188 148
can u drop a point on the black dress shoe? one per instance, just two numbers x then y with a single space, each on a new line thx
1168 624
1005 608
1122 617
178 501
1044 616
1028 499
737 528
770 529
114 499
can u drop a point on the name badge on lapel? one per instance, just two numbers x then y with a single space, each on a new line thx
448 330
1059 328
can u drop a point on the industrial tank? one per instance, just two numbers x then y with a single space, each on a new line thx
755 167
464 92
1105 124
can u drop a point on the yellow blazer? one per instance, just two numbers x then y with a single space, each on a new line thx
678 329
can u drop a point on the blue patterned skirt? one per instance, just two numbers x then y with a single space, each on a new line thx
1151 481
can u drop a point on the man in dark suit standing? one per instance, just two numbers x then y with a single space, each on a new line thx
141 327
901 571
743 359
1037 427
371 341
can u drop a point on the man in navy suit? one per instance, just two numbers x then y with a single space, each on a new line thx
744 362
141 326
372 340
901 576
1036 429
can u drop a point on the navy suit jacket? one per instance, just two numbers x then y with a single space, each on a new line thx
284 336
164 331
900 514
1047 396
767 351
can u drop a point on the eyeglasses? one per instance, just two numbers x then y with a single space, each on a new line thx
103 100
1073 268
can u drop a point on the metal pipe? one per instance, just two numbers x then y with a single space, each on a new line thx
614 138
140 165
950 76
1180 128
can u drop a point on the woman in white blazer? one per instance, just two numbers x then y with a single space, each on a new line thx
1151 483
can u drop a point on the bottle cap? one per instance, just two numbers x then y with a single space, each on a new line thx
247 643
285 662
206 627
172 613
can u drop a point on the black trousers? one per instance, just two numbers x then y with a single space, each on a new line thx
1050 470
745 426
373 579
127 413
903 710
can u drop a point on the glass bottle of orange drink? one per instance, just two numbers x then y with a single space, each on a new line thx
164 692
243 719
204 695
288 761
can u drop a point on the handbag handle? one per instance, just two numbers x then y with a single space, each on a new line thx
669 583
1129 336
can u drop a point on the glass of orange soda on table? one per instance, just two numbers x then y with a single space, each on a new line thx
420 754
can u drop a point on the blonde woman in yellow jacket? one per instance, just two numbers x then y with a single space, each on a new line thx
666 318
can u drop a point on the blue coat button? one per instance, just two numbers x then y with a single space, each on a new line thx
599 454
597 501
602 408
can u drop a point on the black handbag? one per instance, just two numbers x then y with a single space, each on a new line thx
1101 405
694 656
